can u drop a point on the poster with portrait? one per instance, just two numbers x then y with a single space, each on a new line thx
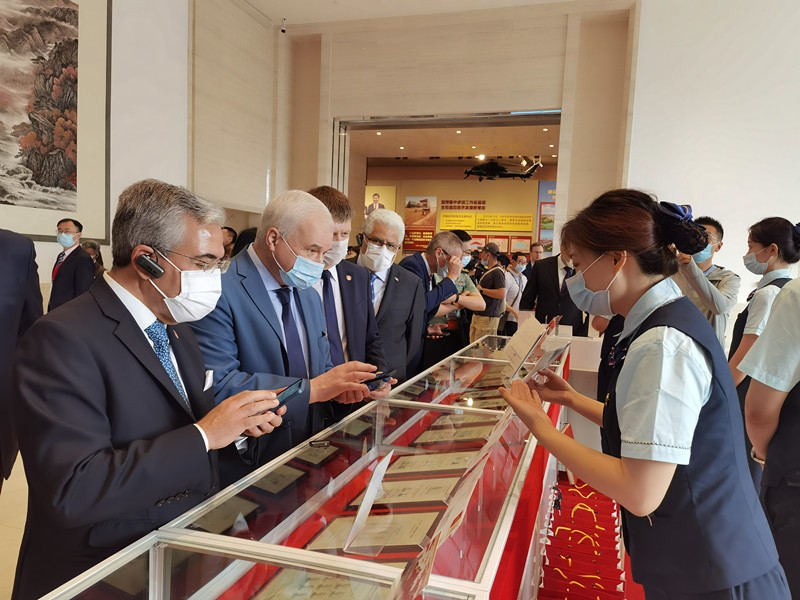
420 218
41 103
379 196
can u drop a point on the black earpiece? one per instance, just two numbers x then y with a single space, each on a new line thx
150 266
359 239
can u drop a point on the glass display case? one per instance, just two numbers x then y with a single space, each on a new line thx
420 488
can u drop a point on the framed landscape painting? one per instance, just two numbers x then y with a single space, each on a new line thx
54 74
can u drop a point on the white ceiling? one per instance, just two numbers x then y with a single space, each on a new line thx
419 145
298 12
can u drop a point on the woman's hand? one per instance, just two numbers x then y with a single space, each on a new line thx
553 388
527 405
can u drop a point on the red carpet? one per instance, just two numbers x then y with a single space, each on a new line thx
582 555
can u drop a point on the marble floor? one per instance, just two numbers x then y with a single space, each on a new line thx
13 501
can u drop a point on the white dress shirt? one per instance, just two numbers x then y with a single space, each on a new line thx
378 288
271 285
562 273
144 317
337 300
662 386
774 359
760 306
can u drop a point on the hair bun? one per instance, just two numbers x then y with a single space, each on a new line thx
676 227
796 235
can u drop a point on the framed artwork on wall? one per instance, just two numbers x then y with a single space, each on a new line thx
47 170
520 243
501 241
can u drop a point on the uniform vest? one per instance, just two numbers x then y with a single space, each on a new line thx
709 532
738 333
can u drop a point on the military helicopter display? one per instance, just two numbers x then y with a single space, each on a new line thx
491 169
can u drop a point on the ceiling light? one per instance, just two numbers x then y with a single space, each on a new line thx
524 163
458 131
402 147
481 157
554 155
551 145
379 133
474 147
544 128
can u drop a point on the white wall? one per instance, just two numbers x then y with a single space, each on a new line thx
149 101
715 112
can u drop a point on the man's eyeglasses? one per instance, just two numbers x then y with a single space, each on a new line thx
205 265
379 242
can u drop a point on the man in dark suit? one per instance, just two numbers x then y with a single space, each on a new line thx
398 297
536 252
547 293
117 430
73 272
442 256
376 204
268 328
346 299
20 306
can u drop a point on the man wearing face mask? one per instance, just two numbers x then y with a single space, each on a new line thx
118 428
492 286
73 271
442 257
711 288
345 293
269 329
398 298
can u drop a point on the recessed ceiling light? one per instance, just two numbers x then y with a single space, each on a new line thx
458 131
402 147
474 147
551 145
481 156
377 133
544 128
554 155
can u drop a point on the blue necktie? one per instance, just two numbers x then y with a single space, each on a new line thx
372 278
568 272
157 332
331 320
294 350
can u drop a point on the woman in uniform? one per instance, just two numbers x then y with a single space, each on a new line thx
675 457
771 248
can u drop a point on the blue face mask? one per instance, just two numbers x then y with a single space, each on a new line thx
520 268
703 255
485 263
303 274
595 303
465 260
66 240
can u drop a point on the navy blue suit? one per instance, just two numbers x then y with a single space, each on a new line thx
75 276
110 448
241 341
434 294
20 306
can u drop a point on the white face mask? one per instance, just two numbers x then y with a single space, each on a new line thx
200 291
376 258
751 262
336 254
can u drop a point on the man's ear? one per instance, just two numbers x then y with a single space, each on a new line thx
271 238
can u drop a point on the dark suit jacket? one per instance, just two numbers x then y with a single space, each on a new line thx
75 276
20 306
526 272
363 340
242 341
371 208
434 295
401 320
110 448
544 292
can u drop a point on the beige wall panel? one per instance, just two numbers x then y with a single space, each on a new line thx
232 124
433 67
305 112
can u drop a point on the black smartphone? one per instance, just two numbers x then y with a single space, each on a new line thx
378 382
290 393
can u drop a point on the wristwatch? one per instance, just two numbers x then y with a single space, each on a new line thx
760 461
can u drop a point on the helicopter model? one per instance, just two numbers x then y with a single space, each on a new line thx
492 169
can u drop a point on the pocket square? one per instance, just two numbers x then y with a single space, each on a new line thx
209 380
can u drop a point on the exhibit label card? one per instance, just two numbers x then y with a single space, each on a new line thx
431 463
294 584
400 529
411 492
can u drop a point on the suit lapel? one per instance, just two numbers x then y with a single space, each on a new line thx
392 282
554 273
188 360
128 332
254 286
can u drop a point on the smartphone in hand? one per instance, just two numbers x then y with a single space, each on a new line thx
378 382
